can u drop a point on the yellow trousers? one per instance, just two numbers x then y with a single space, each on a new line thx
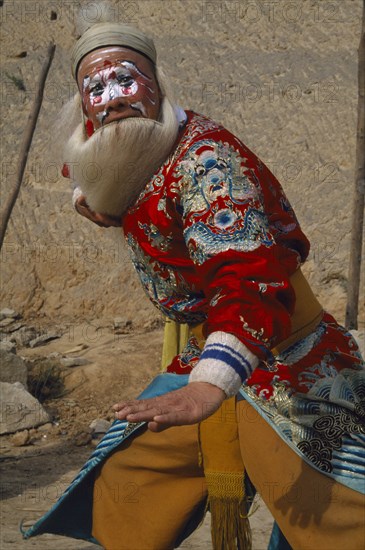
147 490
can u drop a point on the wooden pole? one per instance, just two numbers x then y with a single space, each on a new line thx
27 141
352 306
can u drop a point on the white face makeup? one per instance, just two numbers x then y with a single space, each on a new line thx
123 79
117 80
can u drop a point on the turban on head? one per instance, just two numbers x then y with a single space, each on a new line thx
111 34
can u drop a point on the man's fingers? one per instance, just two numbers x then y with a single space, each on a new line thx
145 415
164 421
133 406
102 220
139 411
156 427
122 405
159 415
177 408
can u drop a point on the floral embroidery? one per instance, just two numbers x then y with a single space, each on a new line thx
258 334
187 359
157 240
166 288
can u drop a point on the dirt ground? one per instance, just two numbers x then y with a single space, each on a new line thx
41 476
35 475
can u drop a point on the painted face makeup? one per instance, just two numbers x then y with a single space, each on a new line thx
121 80
117 83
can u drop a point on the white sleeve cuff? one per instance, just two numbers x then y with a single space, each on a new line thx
224 362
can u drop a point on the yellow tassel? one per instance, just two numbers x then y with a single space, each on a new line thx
224 473
229 530
219 454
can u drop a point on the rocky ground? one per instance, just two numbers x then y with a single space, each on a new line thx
77 373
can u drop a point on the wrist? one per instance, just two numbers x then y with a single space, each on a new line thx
213 390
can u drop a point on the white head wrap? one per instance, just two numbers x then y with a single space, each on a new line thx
111 34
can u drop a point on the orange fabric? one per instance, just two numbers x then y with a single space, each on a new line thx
312 510
146 492
308 312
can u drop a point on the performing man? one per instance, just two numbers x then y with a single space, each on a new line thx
268 392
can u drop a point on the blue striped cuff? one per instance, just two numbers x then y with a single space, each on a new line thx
225 362
231 357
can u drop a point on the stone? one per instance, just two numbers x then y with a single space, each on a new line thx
20 438
70 403
14 327
7 345
74 361
54 355
46 427
6 321
99 426
24 335
43 339
19 409
83 438
12 368
122 325
7 312
77 348
36 439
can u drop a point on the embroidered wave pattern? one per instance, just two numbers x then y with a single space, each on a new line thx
326 425
300 349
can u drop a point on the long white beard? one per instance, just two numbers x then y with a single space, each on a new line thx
113 165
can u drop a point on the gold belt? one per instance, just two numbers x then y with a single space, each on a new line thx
308 313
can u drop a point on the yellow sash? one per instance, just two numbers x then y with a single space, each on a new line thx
307 315
223 467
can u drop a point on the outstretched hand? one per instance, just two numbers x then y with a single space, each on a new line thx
102 220
188 405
